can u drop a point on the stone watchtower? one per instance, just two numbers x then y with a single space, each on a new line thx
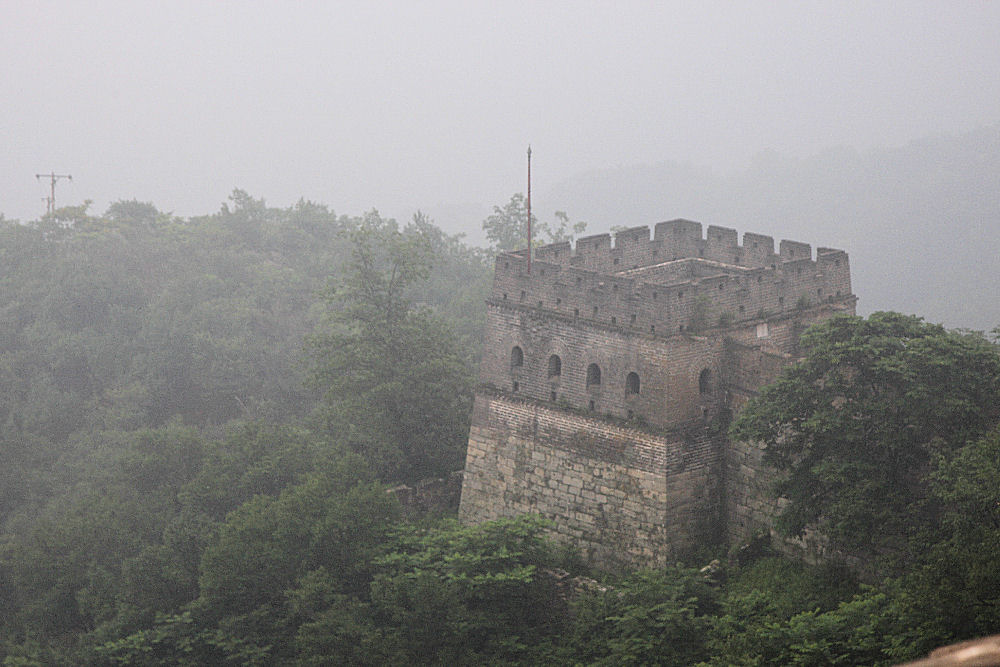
609 374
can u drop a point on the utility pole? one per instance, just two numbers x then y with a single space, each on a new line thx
51 199
529 208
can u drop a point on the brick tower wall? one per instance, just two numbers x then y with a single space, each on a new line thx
683 329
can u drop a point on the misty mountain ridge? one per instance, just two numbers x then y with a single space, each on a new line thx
921 222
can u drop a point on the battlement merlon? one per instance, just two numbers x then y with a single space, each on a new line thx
626 278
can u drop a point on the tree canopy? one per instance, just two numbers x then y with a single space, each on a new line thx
507 228
395 384
876 410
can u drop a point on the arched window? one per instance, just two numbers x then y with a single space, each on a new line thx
516 357
705 382
555 366
593 375
632 383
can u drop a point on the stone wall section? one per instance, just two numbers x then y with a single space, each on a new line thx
684 329
623 495
665 285
667 370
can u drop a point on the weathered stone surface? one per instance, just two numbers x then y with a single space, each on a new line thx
609 372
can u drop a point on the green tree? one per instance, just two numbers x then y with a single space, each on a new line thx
861 424
953 590
396 389
507 228
465 595
649 618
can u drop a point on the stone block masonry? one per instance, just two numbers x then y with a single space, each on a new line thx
608 375
624 496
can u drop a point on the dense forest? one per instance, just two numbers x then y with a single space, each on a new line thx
200 418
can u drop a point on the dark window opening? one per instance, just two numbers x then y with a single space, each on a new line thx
680 295
522 295
616 261
552 397
539 304
558 302
576 313
632 319
516 357
781 301
555 366
705 382
631 414
505 297
595 311
743 308
516 387
579 281
632 383
593 375
652 328
614 320
591 406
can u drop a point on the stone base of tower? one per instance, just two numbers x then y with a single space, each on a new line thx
624 496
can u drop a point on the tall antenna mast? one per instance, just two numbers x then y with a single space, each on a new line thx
51 200
529 208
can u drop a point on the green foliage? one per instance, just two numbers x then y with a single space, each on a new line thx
953 591
862 422
162 502
650 618
458 595
507 228
396 389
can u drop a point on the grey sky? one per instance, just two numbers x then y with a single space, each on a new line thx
407 104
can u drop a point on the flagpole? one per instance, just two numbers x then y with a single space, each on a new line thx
529 208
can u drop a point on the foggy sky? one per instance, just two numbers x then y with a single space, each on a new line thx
398 105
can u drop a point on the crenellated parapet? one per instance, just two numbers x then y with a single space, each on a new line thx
674 282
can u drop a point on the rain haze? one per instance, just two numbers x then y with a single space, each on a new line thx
400 106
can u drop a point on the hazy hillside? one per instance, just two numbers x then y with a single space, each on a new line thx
921 222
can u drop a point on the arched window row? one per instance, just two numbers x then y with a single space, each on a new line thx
554 371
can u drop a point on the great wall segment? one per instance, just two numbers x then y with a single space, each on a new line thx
610 370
